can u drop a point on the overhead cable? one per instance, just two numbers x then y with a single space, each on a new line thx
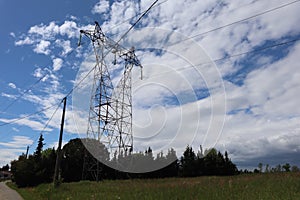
230 56
26 116
235 22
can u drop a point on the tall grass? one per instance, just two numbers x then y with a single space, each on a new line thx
258 186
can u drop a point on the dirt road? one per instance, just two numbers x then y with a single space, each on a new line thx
8 194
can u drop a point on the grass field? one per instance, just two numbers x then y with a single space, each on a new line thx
258 186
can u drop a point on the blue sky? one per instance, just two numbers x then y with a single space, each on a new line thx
247 105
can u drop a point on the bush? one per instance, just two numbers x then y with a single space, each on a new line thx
33 171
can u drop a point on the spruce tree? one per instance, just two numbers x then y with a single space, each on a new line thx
39 148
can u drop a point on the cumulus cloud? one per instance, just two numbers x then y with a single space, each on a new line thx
253 104
42 47
12 85
265 118
45 37
12 34
38 73
69 28
166 108
45 31
25 41
261 110
57 64
101 7
65 45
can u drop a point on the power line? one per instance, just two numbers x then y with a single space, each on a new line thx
157 5
49 120
23 93
235 22
80 81
26 116
137 21
33 85
216 60
152 6
144 13
77 85
258 50
230 56
140 13
115 45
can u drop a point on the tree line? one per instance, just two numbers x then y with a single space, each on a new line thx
78 164
4 168
261 168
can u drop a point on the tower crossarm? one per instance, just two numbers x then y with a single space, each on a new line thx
98 37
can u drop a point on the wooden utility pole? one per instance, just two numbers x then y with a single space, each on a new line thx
56 178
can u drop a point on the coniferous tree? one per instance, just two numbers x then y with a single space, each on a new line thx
39 148
229 168
188 162
172 168
287 167
210 162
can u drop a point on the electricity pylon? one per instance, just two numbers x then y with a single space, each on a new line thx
110 112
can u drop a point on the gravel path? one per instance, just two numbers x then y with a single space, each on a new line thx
6 193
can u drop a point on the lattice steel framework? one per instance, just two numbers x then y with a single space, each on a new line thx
110 114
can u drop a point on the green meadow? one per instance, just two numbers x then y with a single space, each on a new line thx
252 186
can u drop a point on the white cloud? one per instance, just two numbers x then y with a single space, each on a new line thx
101 7
26 41
33 98
271 126
12 34
15 129
69 28
12 85
57 64
275 96
31 123
160 122
269 92
42 47
38 73
11 96
249 139
9 154
65 45
18 142
73 17
120 11
45 38
49 32
46 32
12 149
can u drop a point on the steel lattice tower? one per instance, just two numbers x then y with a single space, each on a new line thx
110 112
